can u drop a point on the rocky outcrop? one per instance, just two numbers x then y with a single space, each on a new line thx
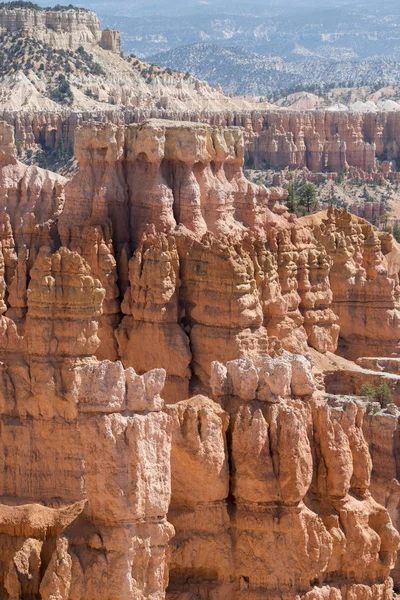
61 29
159 272
279 467
111 40
362 283
371 211
175 196
57 419
167 222
321 141
381 429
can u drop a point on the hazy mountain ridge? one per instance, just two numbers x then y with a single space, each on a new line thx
240 71
358 30
353 43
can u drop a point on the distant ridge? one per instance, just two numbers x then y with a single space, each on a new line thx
242 72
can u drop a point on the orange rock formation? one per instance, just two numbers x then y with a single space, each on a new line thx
317 140
363 282
159 272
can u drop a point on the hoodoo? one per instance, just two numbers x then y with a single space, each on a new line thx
163 430
199 373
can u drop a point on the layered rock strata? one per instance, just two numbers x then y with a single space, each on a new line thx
160 264
320 141
272 493
170 226
317 140
111 40
382 432
83 435
175 196
380 425
363 279
61 29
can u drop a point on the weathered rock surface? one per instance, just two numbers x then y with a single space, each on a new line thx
381 430
362 282
316 140
159 263
167 222
62 29
111 40
320 141
280 469
78 432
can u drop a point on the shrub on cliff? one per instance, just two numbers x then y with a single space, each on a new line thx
28 55
291 201
396 231
20 4
380 393
62 92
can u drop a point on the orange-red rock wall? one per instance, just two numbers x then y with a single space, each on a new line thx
160 273
318 140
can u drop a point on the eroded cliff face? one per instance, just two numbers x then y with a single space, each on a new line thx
160 273
219 269
62 29
363 281
270 496
319 140
85 486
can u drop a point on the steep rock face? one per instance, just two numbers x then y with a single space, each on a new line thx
362 283
61 29
175 196
162 258
33 198
61 411
317 140
381 429
31 201
111 40
168 223
320 141
86 435
278 468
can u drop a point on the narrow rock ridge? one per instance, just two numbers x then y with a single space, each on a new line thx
158 272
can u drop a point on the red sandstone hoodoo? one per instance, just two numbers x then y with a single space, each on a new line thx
159 272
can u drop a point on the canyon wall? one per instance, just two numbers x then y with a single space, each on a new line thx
66 29
363 278
320 141
158 408
324 141
173 196
271 494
